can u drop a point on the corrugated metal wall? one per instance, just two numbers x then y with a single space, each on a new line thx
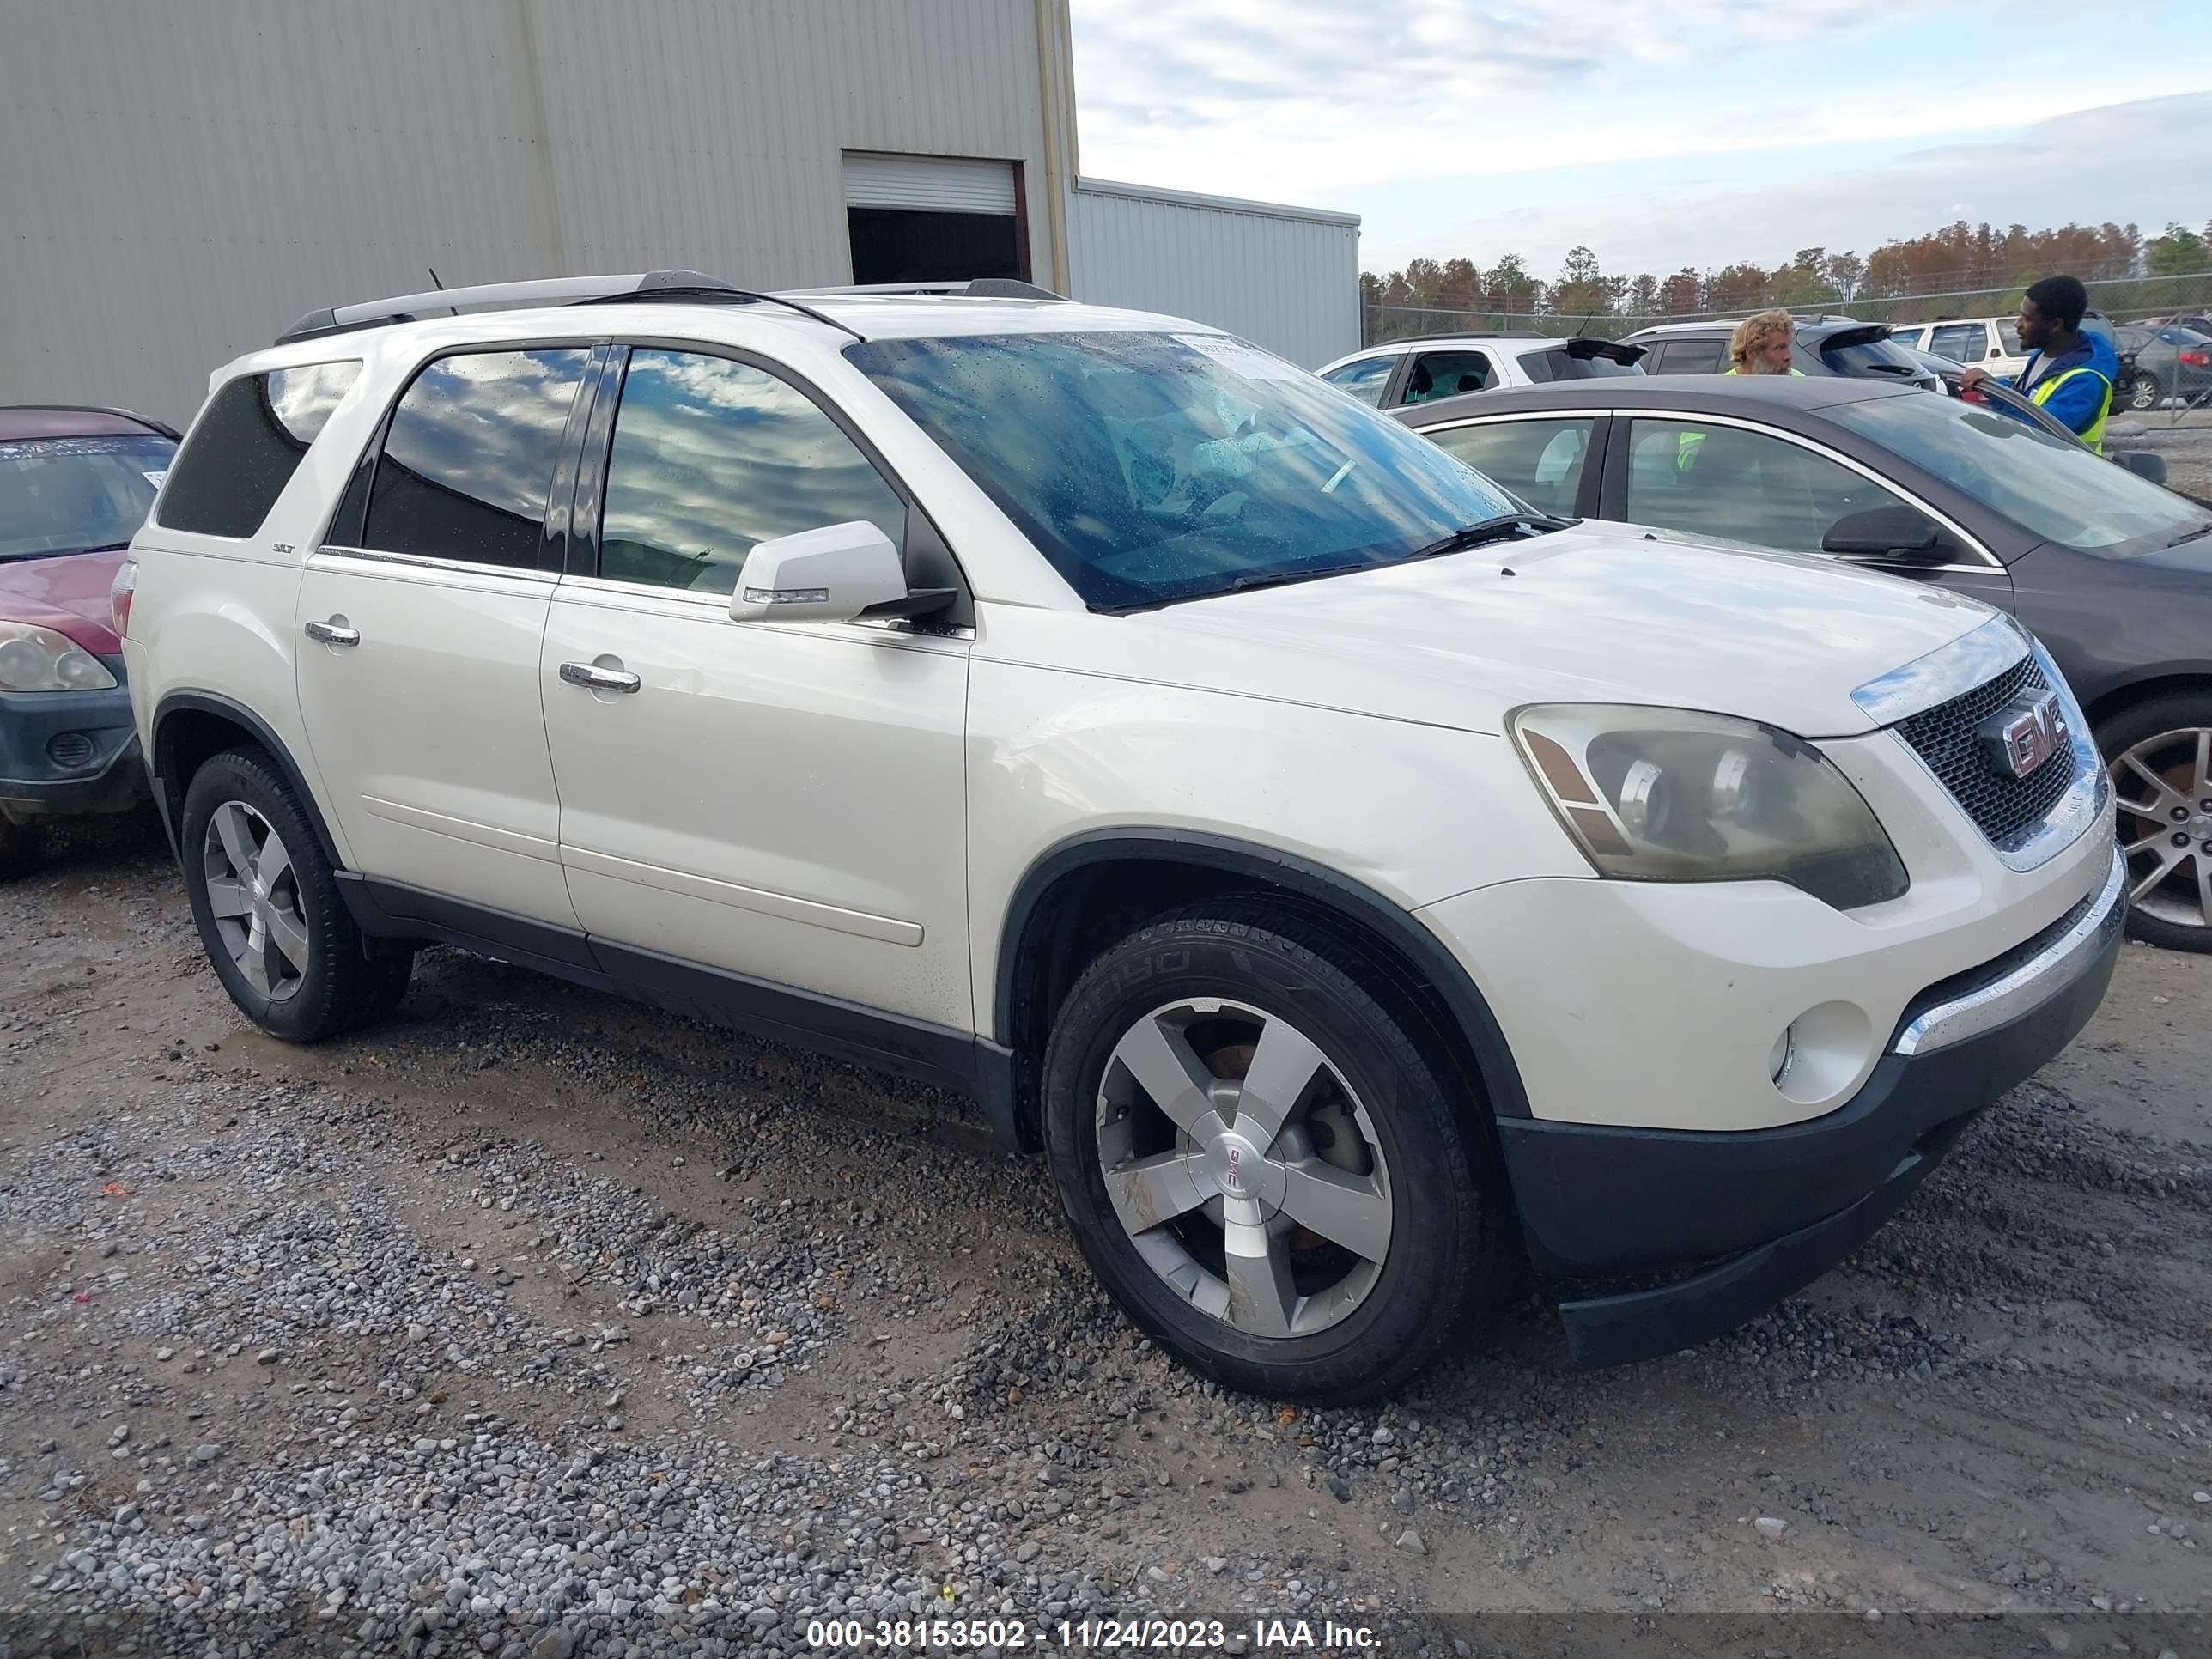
178 182
1283 278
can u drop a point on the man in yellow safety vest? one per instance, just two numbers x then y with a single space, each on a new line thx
2068 373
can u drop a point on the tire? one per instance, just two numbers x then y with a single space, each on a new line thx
339 984
2143 391
1330 1323
2171 736
22 847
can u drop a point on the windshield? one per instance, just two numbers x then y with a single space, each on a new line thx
1156 467
2060 491
64 495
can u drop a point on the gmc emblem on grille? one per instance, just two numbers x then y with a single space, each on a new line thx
2026 732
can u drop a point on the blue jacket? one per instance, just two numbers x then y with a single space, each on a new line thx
2075 404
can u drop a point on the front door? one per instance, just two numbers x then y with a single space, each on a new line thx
781 801
419 646
1707 477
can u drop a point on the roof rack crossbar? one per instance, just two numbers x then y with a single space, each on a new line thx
674 285
977 287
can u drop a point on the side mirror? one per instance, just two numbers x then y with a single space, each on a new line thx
836 574
1897 534
2142 462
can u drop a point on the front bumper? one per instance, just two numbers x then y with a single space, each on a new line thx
67 752
1770 1210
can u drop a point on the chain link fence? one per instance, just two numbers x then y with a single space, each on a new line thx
2122 300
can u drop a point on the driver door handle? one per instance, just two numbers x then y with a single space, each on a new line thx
332 632
592 677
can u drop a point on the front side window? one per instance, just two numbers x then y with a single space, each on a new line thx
2055 488
1447 373
1735 485
1364 379
246 445
469 459
1150 468
77 495
1539 461
712 458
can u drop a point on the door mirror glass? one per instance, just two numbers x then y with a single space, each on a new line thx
839 573
1889 532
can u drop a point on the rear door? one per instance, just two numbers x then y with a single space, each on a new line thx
1553 462
422 616
781 801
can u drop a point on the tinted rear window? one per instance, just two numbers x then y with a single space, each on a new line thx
469 459
1560 364
1688 356
1882 359
246 445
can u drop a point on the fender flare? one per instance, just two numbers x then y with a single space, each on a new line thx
209 702
1420 948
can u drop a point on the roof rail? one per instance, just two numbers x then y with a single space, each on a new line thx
161 426
976 288
668 285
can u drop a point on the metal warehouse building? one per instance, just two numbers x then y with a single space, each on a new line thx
180 182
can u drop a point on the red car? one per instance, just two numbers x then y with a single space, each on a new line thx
75 485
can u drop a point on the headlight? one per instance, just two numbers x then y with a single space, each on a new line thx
39 659
1670 794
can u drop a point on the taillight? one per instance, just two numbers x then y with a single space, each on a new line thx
121 593
2198 359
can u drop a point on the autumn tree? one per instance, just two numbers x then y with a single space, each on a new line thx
1681 295
1643 295
1461 287
2179 252
1508 287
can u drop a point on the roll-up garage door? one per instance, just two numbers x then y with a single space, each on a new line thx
929 184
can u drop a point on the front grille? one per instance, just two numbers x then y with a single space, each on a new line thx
70 749
1948 738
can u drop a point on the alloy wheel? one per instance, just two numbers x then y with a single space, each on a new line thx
2164 786
1244 1167
254 893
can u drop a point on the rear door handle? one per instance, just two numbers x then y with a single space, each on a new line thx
592 677
333 633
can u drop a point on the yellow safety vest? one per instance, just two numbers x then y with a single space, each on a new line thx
1686 446
2095 437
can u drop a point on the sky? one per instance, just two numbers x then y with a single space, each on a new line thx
1660 133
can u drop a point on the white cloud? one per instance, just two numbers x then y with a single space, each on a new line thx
2142 161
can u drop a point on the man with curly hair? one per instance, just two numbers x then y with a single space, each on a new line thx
1761 345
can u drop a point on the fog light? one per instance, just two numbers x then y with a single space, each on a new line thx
1784 1051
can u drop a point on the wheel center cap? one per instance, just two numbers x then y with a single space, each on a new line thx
1240 1168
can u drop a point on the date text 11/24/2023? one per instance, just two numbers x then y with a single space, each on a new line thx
1260 1636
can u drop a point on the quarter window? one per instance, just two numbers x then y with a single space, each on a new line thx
469 459
710 458
1726 483
1539 461
1962 342
1364 379
246 445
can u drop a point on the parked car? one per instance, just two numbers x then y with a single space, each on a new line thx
2173 361
1989 342
2144 462
1357 885
74 484
1415 371
1824 346
2196 320
2111 572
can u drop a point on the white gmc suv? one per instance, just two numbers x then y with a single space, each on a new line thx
1360 888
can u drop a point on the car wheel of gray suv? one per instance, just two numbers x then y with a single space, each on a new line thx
2160 755
267 907
1264 1168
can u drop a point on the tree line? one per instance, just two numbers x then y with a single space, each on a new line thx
1958 258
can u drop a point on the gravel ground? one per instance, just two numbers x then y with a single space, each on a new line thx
534 1323
2184 438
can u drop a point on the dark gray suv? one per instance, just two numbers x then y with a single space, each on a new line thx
1824 345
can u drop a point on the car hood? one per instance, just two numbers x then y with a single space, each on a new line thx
1599 613
67 593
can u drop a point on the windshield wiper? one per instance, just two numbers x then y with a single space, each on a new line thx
2204 529
1492 529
